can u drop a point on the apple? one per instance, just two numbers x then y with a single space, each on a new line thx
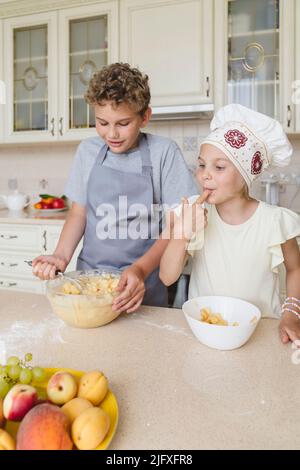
61 388
58 203
20 399
46 205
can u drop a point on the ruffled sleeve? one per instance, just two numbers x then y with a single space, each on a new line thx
286 226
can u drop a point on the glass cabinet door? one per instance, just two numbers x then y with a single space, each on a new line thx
89 40
253 55
88 52
30 65
30 79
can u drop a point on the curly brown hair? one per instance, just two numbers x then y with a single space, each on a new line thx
119 83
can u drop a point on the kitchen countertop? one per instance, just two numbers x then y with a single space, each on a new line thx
28 216
173 392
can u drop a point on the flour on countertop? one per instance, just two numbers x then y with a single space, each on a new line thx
27 332
172 328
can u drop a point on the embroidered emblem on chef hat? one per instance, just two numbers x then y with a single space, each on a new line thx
235 138
251 140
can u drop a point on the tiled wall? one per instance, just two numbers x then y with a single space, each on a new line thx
32 163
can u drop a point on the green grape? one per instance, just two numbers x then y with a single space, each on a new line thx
13 361
14 372
38 374
25 376
4 389
28 357
2 377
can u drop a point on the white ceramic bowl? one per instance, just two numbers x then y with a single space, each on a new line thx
232 310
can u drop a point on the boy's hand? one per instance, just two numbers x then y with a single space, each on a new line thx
133 289
45 267
289 328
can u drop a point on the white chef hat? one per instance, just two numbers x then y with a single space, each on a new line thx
251 140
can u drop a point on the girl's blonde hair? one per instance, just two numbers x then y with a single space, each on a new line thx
245 192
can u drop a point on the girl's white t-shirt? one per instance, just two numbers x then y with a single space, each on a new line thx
242 260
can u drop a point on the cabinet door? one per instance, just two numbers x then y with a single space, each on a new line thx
2 86
30 67
260 55
52 236
296 84
171 41
89 39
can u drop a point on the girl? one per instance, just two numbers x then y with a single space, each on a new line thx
238 249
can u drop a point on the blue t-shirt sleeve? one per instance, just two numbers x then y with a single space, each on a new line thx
76 187
176 179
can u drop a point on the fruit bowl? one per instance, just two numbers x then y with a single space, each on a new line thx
242 317
90 308
109 404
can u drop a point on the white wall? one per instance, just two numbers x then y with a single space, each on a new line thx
32 163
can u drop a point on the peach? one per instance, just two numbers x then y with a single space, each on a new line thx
93 386
75 407
45 427
19 400
90 428
6 441
62 387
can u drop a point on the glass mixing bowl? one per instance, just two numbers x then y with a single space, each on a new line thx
90 308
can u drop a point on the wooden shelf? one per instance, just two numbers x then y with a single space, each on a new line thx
250 81
33 100
91 51
259 32
30 59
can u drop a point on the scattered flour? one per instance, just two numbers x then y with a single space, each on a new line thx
172 328
26 332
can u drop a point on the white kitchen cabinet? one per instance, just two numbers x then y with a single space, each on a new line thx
254 52
2 85
296 84
171 41
23 242
49 59
52 236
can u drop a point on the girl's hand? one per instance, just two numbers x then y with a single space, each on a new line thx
289 328
133 290
192 219
45 267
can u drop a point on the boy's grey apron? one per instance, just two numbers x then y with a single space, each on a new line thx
105 185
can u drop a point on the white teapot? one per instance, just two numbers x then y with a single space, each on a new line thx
16 201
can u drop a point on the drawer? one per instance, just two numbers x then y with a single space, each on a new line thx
22 237
13 264
23 285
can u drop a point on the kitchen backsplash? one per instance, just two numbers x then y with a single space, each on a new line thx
31 164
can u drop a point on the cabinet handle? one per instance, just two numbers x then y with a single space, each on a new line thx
8 284
45 240
207 87
61 126
289 116
52 127
8 237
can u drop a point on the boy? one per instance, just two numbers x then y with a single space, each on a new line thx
120 164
